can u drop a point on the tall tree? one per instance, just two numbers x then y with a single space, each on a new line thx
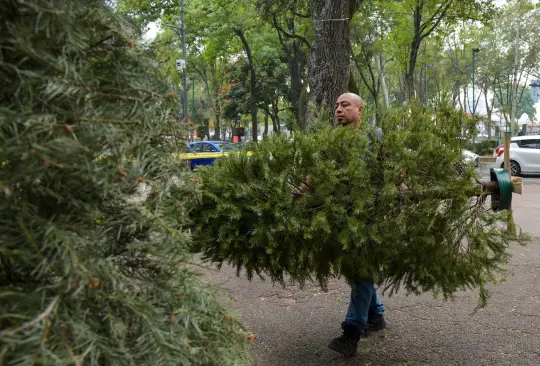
290 19
253 87
416 20
330 51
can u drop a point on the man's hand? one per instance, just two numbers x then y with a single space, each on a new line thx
403 187
303 189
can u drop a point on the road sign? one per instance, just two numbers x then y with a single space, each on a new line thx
180 65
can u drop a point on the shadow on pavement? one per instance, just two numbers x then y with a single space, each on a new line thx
293 326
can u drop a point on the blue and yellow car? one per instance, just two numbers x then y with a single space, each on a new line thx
206 152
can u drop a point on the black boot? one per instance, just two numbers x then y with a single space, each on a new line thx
375 322
347 344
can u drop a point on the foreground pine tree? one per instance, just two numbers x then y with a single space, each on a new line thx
438 235
91 274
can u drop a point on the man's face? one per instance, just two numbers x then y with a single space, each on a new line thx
348 110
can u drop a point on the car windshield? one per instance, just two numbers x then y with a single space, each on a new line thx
226 146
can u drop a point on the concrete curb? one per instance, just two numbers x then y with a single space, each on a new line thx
487 159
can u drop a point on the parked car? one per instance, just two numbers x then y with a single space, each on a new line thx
206 152
524 155
498 151
470 157
213 146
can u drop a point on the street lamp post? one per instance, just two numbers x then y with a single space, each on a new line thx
181 35
474 52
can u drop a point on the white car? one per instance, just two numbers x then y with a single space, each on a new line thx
470 157
524 155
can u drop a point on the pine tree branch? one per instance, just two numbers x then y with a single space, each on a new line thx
113 121
76 361
198 265
40 317
47 161
30 239
99 42
110 96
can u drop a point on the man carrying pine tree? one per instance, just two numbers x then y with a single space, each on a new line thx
366 312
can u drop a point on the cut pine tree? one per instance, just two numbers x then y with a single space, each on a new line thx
353 220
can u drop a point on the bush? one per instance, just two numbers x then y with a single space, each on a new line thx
482 147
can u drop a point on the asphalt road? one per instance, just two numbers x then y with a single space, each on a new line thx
483 171
293 326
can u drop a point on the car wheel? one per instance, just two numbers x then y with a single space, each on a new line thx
514 167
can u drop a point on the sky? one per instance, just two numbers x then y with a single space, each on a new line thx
153 29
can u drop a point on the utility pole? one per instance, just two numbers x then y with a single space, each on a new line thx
181 65
182 32
474 52
193 99
514 82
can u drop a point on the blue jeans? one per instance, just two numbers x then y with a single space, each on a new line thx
364 300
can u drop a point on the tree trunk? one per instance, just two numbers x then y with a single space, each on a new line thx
217 127
265 133
488 111
275 126
297 68
252 86
275 114
465 99
409 77
207 128
330 52
380 70
296 58
415 46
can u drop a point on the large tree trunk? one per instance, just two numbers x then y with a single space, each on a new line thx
253 109
330 53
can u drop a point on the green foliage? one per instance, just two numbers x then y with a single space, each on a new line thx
94 255
353 221
383 35
483 147
234 97
525 102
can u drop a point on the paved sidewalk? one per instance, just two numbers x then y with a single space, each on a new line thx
293 326
526 210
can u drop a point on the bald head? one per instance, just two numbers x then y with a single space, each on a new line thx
349 109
